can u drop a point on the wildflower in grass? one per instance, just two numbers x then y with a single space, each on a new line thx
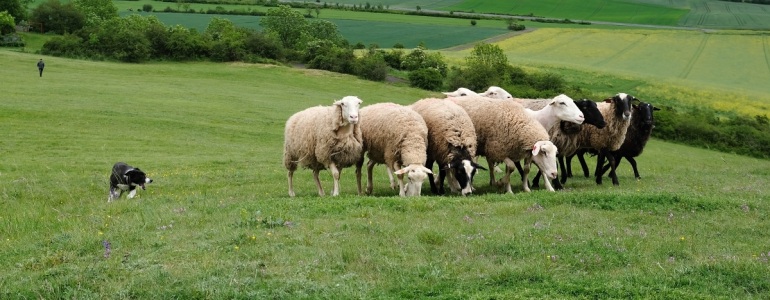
107 248
101 233
237 248
253 237
681 239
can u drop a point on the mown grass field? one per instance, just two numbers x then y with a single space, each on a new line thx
217 221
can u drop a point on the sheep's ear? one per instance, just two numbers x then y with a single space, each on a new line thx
535 149
655 108
402 171
429 171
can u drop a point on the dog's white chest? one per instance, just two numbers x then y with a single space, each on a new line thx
123 187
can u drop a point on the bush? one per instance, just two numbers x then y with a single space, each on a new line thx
263 45
393 58
427 79
147 7
67 45
58 18
419 59
372 67
324 55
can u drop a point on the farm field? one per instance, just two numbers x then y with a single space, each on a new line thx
217 221
717 62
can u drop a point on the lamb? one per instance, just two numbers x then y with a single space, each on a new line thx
617 114
451 144
396 136
506 133
323 137
565 136
642 123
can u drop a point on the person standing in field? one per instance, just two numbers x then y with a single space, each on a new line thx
40 66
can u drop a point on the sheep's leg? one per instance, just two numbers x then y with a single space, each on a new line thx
599 163
336 177
525 174
506 181
318 182
492 181
401 185
613 166
548 185
390 176
564 166
521 173
359 164
583 163
431 178
536 180
569 165
632 161
291 183
440 183
369 182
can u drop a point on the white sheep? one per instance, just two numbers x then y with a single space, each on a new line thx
460 92
396 136
506 133
451 144
323 137
496 92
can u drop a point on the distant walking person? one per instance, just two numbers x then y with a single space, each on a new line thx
40 66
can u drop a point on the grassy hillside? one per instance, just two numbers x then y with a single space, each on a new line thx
715 64
217 223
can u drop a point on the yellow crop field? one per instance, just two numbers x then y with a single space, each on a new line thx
727 69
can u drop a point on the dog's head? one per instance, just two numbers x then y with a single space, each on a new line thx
136 177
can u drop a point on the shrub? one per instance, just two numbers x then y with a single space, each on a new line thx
67 45
324 55
147 7
393 58
58 18
427 78
372 67
263 45
419 59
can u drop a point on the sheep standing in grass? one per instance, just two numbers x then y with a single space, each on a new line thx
549 112
451 144
323 137
506 133
617 113
396 136
642 123
565 135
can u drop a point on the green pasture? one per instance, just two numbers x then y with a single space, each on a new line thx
728 63
217 222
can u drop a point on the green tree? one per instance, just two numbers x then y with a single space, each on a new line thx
16 8
57 17
96 11
486 66
325 30
287 24
227 40
7 23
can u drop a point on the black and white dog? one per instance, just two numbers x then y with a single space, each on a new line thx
126 178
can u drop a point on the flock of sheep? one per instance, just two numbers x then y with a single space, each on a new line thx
452 132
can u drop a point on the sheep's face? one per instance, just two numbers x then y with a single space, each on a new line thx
544 156
497 93
461 92
592 114
644 112
415 175
462 173
349 106
622 103
566 110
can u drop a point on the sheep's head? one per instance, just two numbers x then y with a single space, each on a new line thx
415 174
643 111
544 156
566 110
497 92
460 92
591 112
461 173
622 102
349 107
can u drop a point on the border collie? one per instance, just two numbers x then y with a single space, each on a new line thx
126 178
